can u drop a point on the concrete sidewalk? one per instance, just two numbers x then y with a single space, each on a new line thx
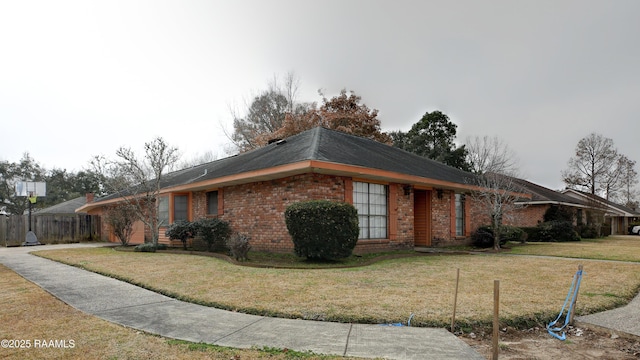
132 306
623 321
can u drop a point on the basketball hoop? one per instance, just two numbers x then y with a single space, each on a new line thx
32 197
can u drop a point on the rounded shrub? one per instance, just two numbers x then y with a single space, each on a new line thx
554 231
181 230
322 229
214 232
483 237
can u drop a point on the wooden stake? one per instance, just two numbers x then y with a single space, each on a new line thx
496 322
455 302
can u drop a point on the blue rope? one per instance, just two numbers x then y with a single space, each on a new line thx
570 299
400 324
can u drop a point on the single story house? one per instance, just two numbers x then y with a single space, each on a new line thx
531 211
617 217
403 200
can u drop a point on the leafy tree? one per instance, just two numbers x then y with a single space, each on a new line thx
433 137
27 169
137 181
343 112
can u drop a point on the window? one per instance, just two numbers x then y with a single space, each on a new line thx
460 214
180 207
371 202
163 210
212 203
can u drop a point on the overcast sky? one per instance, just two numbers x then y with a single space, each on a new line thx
81 78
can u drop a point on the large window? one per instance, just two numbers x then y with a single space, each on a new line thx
180 210
180 207
460 214
212 203
163 210
371 202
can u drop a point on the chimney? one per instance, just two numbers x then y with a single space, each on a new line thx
89 197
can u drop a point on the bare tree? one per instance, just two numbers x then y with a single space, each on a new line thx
594 161
629 180
121 219
497 168
197 159
138 181
497 198
265 113
490 155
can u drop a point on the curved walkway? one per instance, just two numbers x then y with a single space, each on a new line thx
134 307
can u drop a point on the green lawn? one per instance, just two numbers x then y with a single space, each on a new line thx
618 248
531 288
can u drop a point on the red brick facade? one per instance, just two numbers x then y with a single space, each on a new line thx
257 209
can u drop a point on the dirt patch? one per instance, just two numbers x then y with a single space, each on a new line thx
537 344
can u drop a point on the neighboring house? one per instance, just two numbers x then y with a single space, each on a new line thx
403 200
618 217
66 208
532 211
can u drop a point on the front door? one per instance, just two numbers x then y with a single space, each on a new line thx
422 217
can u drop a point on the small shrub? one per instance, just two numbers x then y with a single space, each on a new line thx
161 247
181 230
146 247
214 232
483 237
239 246
589 231
322 229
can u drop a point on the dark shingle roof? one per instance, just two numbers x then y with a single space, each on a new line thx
325 145
67 207
592 198
543 194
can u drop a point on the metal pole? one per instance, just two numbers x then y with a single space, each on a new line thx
29 214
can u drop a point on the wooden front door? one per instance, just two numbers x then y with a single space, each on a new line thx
422 217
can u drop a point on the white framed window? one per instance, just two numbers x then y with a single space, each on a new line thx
371 202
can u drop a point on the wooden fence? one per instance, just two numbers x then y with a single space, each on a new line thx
49 229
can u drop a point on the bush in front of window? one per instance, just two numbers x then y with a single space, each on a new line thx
181 230
322 229
214 232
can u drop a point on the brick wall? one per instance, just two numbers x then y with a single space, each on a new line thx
258 208
527 216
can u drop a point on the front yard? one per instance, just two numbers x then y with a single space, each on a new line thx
531 288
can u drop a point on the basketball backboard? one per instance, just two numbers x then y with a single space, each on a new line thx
31 188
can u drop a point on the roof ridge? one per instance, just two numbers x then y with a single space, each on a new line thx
314 148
